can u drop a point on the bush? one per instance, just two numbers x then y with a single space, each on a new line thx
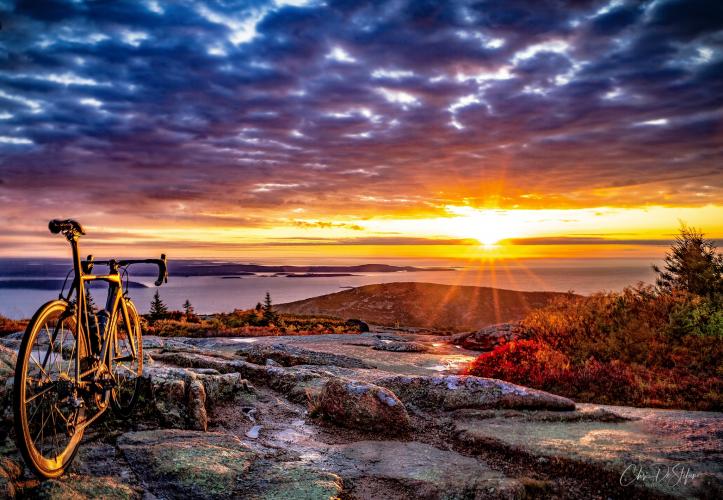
641 346
698 316
241 323
526 362
8 326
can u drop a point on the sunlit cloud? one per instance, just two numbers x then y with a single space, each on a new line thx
338 54
454 122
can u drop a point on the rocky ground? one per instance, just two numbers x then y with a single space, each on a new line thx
377 415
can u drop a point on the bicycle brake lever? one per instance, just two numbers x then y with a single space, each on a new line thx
88 264
162 270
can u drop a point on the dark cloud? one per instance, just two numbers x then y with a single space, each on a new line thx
176 110
616 19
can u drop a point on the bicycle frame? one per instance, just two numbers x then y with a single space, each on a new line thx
114 305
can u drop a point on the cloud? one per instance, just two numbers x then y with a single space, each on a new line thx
327 225
586 240
166 111
374 241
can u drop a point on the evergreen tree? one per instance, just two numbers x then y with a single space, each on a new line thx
693 264
89 302
269 315
159 310
188 309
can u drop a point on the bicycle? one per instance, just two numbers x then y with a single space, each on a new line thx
73 363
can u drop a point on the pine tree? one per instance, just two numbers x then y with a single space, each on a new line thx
159 310
269 315
89 302
188 309
693 264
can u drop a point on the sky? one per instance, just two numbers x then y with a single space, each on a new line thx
292 129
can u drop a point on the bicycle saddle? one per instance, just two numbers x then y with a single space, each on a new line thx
67 226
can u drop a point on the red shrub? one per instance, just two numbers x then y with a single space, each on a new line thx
536 364
527 362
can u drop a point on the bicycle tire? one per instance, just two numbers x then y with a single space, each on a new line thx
124 396
45 467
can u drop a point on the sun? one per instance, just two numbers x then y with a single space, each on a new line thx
488 231
489 227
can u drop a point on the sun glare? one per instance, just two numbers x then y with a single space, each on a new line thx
489 227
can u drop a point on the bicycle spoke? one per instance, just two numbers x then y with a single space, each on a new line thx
40 405
70 361
42 426
127 369
35 396
60 414
51 348
55 428
37 363
62 342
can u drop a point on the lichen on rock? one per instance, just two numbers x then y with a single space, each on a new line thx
85 488
182 398
10 470
361 405
399 346
289 355
183 464
428 471
8 359
452 392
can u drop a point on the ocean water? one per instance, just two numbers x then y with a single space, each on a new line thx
210 294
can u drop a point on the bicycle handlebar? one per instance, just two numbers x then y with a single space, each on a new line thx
162 264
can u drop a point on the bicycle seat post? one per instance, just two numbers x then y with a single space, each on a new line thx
76 256
72 230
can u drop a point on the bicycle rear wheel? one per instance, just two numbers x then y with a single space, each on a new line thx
127 365
46 407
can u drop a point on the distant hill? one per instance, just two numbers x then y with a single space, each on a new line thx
47 268
53 284
424 305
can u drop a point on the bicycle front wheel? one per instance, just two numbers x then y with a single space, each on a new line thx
127 362
46 406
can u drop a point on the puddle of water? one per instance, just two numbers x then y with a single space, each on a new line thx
244 340
311 456
436 344
291 435
386 341
299 437
451 365
253 432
